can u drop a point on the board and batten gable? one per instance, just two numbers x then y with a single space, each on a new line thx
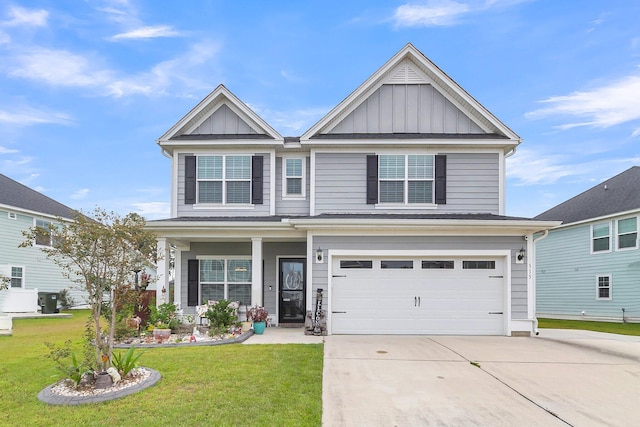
406 108
193 210
566 272
472 183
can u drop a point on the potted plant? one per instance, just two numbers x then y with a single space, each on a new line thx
163 319
258 315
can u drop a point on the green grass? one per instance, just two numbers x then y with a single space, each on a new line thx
229 385
610 327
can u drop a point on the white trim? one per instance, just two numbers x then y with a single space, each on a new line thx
24 276
12 215
257 282
599 219
175 166
610 287
303 160
34 213
505 254
226 282
617 234
501 183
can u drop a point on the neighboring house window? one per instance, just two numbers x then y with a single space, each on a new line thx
604 287
43 235
406 179
222 278
627 233
293 180
17 277
601 237
224 179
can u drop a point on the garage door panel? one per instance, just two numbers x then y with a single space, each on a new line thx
418 301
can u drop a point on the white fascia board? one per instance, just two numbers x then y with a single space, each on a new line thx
598 219
32 213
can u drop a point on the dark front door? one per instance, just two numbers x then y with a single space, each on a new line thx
291 302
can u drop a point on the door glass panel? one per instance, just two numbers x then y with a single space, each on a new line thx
292 305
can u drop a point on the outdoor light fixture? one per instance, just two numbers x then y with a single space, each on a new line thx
521 253
319 256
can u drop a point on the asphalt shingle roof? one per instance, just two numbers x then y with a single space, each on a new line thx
14 194
618 194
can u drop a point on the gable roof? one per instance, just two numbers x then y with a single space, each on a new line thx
19 196
616 195
409 66
218 117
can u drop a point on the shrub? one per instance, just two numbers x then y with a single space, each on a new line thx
124 363
66 300
164 314
70 369
221 316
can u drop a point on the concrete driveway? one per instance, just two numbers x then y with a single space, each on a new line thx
476 381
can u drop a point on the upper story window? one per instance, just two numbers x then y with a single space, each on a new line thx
601 237
627 233
224 179
43 234
293 179
406 179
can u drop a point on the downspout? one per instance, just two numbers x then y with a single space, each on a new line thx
533 246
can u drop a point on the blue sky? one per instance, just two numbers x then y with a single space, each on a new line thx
88 86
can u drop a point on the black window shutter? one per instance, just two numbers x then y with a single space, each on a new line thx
257 167
190 180
441 179
192 282
372 179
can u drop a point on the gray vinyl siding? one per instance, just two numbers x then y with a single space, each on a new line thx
223 122
566 272
39 272
519 301
292 206
407 108
270 252
189 211
473 184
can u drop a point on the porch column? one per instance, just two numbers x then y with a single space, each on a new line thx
256 271
177 277
162 273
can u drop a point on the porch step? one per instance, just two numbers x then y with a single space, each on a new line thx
291 325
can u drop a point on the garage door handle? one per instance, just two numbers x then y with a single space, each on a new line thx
496 312
344 312
335 275
418 301
415 301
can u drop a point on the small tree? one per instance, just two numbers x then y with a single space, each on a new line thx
4 282
99 254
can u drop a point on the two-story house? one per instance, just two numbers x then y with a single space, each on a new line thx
392 204
28 269
589 267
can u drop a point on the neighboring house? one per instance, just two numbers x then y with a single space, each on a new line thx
392 205
589 267
28 268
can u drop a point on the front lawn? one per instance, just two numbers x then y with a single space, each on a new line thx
613 328
229 385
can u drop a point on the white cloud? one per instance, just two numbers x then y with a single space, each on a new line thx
20 16
80 194
5 150
152 210
432 13
30 117
149 32
606 106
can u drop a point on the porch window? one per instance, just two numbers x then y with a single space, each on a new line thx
17 277
603 290
627 233
293 181
224 179
406 179
222 278
601 237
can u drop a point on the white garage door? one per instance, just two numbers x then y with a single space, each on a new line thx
445 296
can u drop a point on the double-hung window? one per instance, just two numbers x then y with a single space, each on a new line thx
43 232
224 179
601 237
225 278
627 233
293 179
17 277
406 179
603 284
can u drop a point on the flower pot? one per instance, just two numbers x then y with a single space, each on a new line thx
246 326
103 380
258 327
161 335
